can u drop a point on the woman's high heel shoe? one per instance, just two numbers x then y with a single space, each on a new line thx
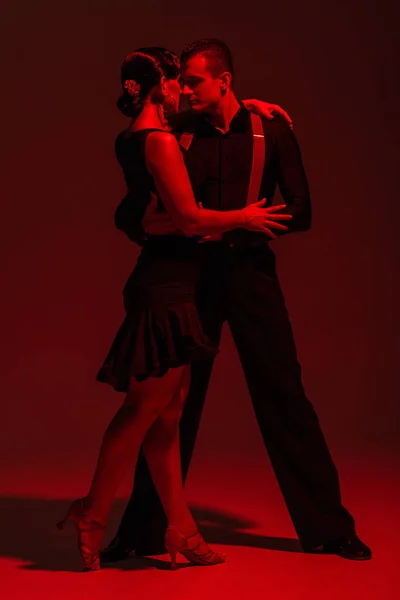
194 548
90 534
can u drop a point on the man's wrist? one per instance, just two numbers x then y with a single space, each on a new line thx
243 218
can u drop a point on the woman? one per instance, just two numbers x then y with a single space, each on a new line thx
162 334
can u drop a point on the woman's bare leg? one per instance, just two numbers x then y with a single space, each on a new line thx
144 402
162 452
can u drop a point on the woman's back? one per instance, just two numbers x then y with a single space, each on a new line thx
130 152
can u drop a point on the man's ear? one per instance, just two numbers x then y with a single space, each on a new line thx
225 81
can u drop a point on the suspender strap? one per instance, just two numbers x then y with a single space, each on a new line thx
257 168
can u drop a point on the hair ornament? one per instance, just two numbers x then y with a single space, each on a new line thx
132 87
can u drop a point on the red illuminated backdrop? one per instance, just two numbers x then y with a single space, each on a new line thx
332 65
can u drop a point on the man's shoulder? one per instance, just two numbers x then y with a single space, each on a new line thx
278 133
275 127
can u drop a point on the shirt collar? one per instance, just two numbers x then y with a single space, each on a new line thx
239 123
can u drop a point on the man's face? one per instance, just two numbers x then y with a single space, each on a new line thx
200 87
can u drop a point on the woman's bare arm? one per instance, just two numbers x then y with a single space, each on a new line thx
268 110
165 163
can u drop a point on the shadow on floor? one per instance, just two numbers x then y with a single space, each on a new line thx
28 533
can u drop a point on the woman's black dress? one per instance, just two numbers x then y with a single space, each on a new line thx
162 327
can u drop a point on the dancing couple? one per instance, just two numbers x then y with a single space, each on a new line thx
195 180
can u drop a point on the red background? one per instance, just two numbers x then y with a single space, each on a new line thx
331 65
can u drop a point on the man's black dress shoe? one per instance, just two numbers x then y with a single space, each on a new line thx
348 546
118 550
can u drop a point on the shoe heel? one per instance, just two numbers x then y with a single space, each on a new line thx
173 543
173 565
197 551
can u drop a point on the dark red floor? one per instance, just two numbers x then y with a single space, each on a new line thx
242 513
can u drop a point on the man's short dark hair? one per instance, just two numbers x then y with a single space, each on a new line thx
218 53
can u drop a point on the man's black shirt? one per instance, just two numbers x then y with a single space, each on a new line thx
219 167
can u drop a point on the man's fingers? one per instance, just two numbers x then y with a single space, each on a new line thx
269 232
276 225
279 217
276 207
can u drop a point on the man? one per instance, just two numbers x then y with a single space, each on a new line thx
240 286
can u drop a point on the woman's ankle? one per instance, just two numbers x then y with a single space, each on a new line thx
186 528
93 512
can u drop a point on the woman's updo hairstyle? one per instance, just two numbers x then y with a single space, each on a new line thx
140 72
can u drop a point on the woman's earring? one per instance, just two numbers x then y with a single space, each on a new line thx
169 106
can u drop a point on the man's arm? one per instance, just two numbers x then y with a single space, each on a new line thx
292 180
